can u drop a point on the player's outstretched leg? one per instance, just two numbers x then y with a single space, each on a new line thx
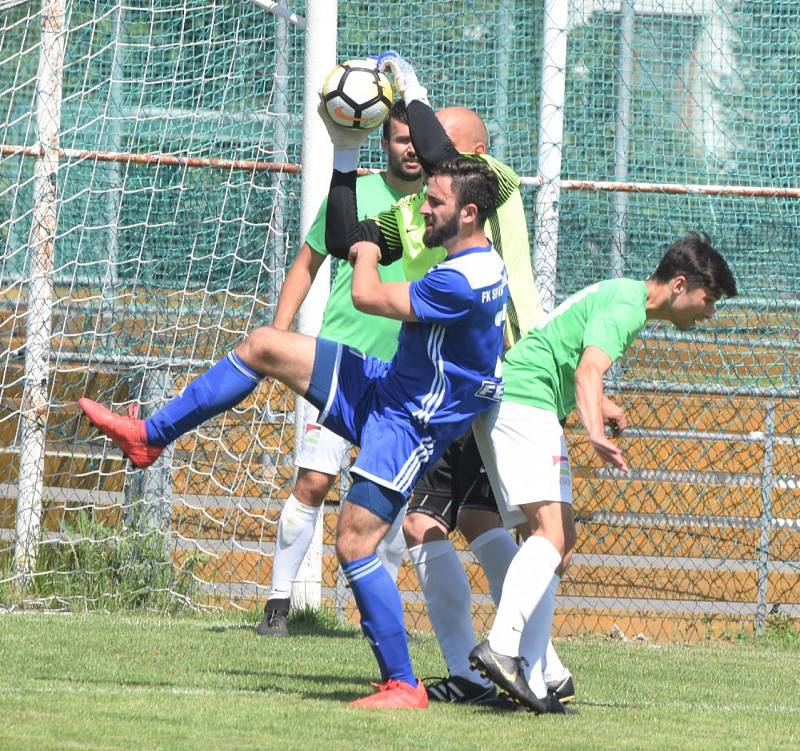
221 387
128 433
283 355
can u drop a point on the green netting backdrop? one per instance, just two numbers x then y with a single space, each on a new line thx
177 263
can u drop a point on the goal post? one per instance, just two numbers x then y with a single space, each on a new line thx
34 408
317 160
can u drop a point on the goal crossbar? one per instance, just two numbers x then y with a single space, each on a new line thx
255 165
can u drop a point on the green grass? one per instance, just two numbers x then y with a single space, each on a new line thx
207 682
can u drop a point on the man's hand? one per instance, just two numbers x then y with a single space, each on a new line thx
608 451
344 139
405 78
613 416
368 252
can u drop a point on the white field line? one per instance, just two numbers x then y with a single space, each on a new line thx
689 706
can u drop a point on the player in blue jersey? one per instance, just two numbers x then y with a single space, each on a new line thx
403 414
455 491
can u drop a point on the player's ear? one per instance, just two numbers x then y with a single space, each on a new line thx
469 212
679 284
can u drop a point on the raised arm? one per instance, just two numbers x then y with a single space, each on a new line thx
431 143
342 226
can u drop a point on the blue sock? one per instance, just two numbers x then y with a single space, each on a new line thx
221 387
381 617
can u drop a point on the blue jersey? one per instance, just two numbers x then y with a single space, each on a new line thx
447 366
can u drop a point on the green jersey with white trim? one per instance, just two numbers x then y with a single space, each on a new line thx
341 322
403 226
540 369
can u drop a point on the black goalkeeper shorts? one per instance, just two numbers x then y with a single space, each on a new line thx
457 480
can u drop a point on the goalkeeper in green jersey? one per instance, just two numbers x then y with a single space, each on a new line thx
455 493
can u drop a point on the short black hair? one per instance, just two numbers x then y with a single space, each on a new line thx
693 257
473 182
399 113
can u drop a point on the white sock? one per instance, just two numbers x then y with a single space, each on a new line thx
495 549
535 638
392 547
554 670
528 577
447 593
295 530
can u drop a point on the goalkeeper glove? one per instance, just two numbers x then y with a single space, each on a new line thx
346 142
341 137
405 79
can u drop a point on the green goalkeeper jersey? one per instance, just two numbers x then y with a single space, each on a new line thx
540 369
341 322
403 227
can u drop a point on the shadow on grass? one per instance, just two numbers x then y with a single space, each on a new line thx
331 687
307 622
268 683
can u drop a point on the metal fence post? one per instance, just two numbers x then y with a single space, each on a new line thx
767 482
148 494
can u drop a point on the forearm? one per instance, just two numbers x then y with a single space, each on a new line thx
589 399
428 136
342 228
295 286
365 285
372 295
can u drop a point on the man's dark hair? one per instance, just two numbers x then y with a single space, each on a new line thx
399 114
693 257
473 182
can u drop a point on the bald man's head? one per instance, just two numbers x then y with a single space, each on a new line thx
465 129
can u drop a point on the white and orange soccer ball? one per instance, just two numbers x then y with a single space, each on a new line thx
357 95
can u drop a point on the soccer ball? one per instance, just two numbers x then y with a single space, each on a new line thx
357 95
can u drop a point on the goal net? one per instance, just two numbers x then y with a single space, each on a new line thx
150 205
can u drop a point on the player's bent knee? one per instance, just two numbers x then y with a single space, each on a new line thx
419 528
365 518
566 559
257 347
312 487
474 522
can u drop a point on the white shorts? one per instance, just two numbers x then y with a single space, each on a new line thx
320 449
525 455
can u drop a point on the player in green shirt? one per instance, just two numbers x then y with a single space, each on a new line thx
557 367
322 453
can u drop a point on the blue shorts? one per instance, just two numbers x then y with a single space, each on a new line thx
394 448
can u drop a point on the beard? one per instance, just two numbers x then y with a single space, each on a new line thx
435 237
398 169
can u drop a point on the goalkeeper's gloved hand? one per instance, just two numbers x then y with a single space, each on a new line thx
405 79
347 139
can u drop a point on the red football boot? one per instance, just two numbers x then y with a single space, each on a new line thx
129 434
394 694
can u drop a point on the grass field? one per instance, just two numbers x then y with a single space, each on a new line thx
207 682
